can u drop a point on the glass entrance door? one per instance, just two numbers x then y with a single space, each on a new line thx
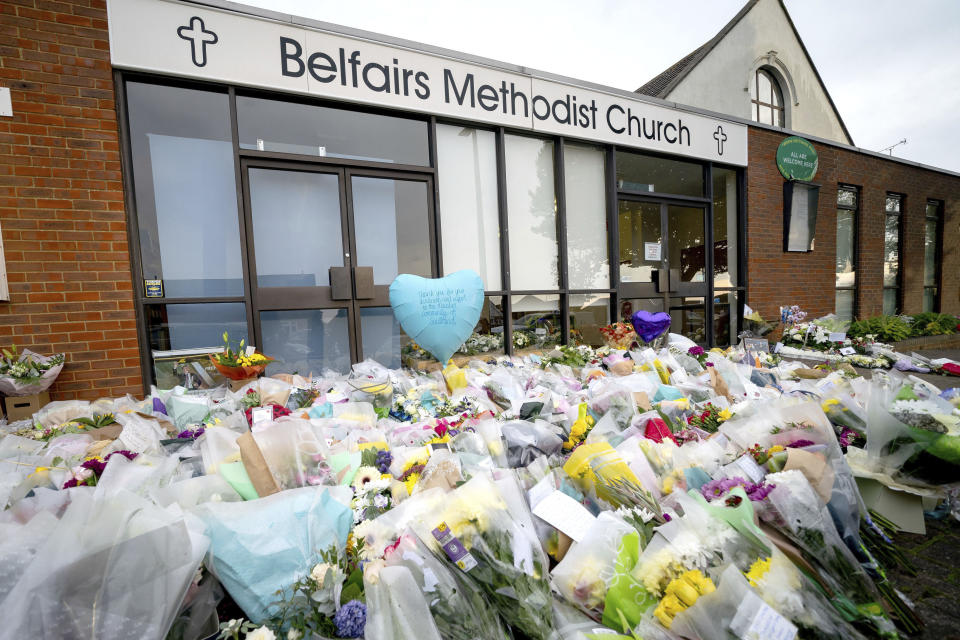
323 245
663 263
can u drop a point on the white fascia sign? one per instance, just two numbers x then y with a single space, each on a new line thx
180 39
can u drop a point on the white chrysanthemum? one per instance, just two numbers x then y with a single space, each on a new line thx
260 633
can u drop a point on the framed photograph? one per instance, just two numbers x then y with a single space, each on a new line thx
189 368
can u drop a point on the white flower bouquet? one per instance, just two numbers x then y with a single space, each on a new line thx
28 373
496 551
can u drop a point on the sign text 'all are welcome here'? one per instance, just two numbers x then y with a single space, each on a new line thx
183 39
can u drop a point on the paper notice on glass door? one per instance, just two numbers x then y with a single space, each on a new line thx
651 251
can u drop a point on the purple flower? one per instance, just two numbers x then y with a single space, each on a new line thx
129 455
97 466
847 436
187 433
696 351
796 444
351 619
383 462
720 487
709 364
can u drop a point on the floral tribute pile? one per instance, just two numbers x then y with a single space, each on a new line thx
578 494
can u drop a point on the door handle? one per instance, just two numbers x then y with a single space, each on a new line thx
340 285
363 283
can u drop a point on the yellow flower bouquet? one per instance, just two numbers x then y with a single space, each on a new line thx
238 365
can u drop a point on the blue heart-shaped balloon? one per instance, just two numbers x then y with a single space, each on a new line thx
439 314
650 326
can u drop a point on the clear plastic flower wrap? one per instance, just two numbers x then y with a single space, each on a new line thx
501 556
455 608
588 568
114 567
28 373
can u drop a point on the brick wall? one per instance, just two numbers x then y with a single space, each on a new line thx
775 278
61 198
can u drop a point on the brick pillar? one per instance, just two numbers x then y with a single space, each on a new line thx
61 198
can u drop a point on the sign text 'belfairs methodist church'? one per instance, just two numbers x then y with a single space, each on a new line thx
280 53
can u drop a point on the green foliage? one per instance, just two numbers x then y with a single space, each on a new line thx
896 328
933 324
885 328
98 420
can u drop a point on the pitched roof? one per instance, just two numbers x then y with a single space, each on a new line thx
661 85
664 83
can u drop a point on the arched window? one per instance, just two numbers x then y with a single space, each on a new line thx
766 99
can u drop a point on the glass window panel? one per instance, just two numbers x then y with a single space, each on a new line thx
890 305
725 229
778 117
588 313
725 312
763 86
290 127
929 298
891 250
588 266
687 250
843 307
688 317
766 115
536 321
469 215
892 204
532 211
390 219
639 231
383 339
640 172
306 341
930 253
846 233
631 306
933 209
847 198
296 227
173 327
185 190
487 337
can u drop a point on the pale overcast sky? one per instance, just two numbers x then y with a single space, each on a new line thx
891 66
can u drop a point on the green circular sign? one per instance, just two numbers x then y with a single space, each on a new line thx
797 159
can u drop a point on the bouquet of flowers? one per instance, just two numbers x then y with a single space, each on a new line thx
239 365
409 581
619 335
27 373
482 537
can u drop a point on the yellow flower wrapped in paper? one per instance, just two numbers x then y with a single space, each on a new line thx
757 570
597 460
725 414
682 592
455 376
661 371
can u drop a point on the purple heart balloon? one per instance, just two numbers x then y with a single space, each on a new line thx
650 326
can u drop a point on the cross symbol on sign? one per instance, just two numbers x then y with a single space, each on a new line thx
720 137
199 39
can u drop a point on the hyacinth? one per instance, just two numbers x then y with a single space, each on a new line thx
383 461
719 488
351 619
